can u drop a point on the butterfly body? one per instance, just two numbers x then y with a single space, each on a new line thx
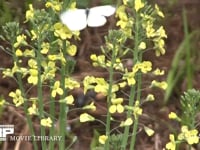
78 19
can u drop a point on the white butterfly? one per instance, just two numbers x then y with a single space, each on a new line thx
78 19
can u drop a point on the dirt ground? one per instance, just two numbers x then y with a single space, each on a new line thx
155 114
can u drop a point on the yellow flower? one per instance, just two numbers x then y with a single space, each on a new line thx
148 131
172 144
21 39
173 115
29 53
158 72
91 106
68 100
49 70
34 35
29 13
146 66
161 32
191 136
116 105
125 22
52 57
45 48
71 50
160 13
17 97
33 78
136 109
127 122
33 110
116 108
46 122
102 139
71 84
123 18
162 85
150 97
125 2
102 86
32 63
18 52
159 46
86 117
88 83
60 30
56 6
122 84
56 89
150 31
142 46
138 5
73 5
98 60
9 73
130 77
2 102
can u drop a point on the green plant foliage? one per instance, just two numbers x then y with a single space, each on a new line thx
190 105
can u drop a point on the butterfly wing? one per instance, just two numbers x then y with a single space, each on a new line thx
96 20
74 19
96 15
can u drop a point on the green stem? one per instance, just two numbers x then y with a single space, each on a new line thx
111 73
63 107
127 128
28 118
52 113
25 106
136 57
135 126
39 90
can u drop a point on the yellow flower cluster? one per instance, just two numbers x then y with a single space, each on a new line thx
61 31
102 62
56 89
33 110
162 85
21 40
191 136
55 5
144 67
29 13
33 71
124 22
100 87
116 105
46 122
17 97
172 144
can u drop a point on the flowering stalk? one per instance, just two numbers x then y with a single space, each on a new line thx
63 107
39 86
137 57
12 30
52 113
136 88
111 73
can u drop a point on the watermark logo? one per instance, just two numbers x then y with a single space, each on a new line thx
5 130
9 129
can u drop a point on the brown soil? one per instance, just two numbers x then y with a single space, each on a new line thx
155 114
